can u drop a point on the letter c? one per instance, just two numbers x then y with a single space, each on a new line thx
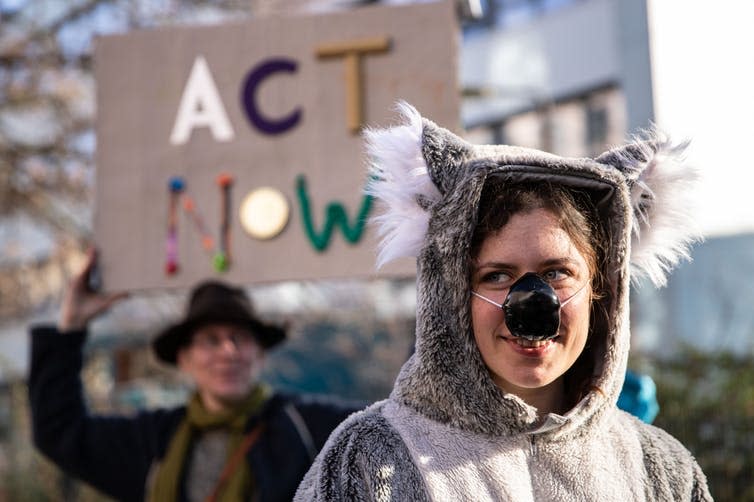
254 78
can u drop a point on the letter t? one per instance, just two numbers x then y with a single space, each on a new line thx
352 50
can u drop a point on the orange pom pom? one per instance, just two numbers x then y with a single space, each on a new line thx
188 204
225 180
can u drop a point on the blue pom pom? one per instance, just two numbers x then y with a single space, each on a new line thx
639 397
176 184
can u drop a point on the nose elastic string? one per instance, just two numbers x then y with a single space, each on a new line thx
565 302
500 305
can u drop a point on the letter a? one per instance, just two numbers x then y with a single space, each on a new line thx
201 107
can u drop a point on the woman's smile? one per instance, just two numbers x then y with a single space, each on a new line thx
531 348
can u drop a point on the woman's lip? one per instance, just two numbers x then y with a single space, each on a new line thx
531 351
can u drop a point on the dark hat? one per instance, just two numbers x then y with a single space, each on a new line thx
214 302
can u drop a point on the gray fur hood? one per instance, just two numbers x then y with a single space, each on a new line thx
447 432
430 182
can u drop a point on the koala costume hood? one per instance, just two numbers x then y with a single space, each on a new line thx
447 432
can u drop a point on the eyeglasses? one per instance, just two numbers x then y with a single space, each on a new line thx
214 339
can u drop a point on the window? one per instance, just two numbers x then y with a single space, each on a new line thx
596 125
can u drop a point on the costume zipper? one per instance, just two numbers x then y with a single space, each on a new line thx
532 445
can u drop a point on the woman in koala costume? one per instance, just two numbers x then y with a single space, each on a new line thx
524 261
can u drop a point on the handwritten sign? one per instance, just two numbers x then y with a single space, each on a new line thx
235 151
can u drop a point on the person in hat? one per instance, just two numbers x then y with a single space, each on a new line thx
524 261
235 439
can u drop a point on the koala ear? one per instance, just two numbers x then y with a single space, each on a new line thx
399 179
661 188
445 154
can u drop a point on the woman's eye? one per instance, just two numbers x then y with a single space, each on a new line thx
554 275
496 278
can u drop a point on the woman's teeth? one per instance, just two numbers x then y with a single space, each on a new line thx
523 342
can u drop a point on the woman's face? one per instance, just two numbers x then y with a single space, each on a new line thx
223 360
531 241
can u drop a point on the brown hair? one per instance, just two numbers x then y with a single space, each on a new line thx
577 216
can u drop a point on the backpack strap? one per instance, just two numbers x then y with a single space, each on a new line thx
302 429
238 455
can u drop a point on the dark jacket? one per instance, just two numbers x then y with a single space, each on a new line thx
114 453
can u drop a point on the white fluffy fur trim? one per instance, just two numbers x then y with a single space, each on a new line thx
399 180
662 198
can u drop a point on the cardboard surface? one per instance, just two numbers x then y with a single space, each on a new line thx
141 80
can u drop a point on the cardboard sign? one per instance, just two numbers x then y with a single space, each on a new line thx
234 151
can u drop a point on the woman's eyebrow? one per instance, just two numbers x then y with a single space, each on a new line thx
559 261
499 265
495 265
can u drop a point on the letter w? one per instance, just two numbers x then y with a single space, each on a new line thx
335 215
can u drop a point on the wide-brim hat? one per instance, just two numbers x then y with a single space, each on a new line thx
215 302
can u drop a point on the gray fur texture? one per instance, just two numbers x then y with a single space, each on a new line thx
364 459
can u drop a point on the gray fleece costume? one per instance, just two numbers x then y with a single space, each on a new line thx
447 432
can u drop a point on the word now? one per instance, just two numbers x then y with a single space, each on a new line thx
201 105
220 251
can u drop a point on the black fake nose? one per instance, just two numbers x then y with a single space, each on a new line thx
532 309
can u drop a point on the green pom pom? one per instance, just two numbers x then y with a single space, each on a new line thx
220 262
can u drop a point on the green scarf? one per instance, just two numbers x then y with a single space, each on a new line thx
165 485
